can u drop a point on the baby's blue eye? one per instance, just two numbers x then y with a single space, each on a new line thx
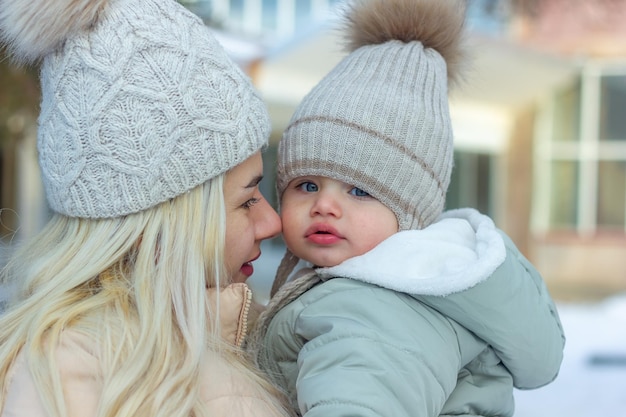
357 192
309 187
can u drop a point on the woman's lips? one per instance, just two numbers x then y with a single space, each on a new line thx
247 269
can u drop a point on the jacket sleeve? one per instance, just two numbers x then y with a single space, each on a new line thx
80 386
513 312
346 348
22 398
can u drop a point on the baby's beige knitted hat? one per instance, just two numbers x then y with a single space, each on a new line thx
380 119
140 103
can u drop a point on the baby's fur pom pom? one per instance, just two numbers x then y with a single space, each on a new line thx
437 24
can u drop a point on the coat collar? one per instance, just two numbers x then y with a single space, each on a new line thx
234 307
453 254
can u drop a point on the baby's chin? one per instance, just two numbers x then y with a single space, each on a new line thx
325 257
328 263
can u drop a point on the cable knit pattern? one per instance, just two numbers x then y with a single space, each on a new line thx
143 106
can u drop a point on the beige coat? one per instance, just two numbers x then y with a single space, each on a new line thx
225 391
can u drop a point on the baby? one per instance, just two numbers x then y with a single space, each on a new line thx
404 310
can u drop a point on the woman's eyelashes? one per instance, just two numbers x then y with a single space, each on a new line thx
250 202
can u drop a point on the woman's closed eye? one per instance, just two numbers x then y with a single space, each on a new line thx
251 202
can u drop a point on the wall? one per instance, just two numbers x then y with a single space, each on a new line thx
576 268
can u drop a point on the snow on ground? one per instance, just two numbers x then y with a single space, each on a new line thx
592 381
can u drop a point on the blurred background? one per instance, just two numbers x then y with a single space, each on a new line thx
540 140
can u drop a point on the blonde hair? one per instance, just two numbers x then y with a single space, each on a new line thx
136 285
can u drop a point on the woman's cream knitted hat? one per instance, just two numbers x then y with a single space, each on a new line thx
140 103
380 119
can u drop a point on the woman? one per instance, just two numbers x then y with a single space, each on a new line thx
132 300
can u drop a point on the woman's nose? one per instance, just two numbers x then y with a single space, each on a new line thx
268 222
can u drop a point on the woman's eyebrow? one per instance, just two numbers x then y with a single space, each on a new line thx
255 181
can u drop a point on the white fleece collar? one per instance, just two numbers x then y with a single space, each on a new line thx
457 252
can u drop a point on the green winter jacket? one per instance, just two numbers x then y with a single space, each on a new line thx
441 321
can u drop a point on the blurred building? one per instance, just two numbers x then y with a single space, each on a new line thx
22 205
540 124
578 212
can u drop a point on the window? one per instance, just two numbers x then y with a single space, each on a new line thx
611 194
563 208
270 14
471 182
581 155
567 114
266 18
612 108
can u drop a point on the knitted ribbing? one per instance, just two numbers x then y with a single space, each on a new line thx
380 119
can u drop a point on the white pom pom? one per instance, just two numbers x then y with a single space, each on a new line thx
33 28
